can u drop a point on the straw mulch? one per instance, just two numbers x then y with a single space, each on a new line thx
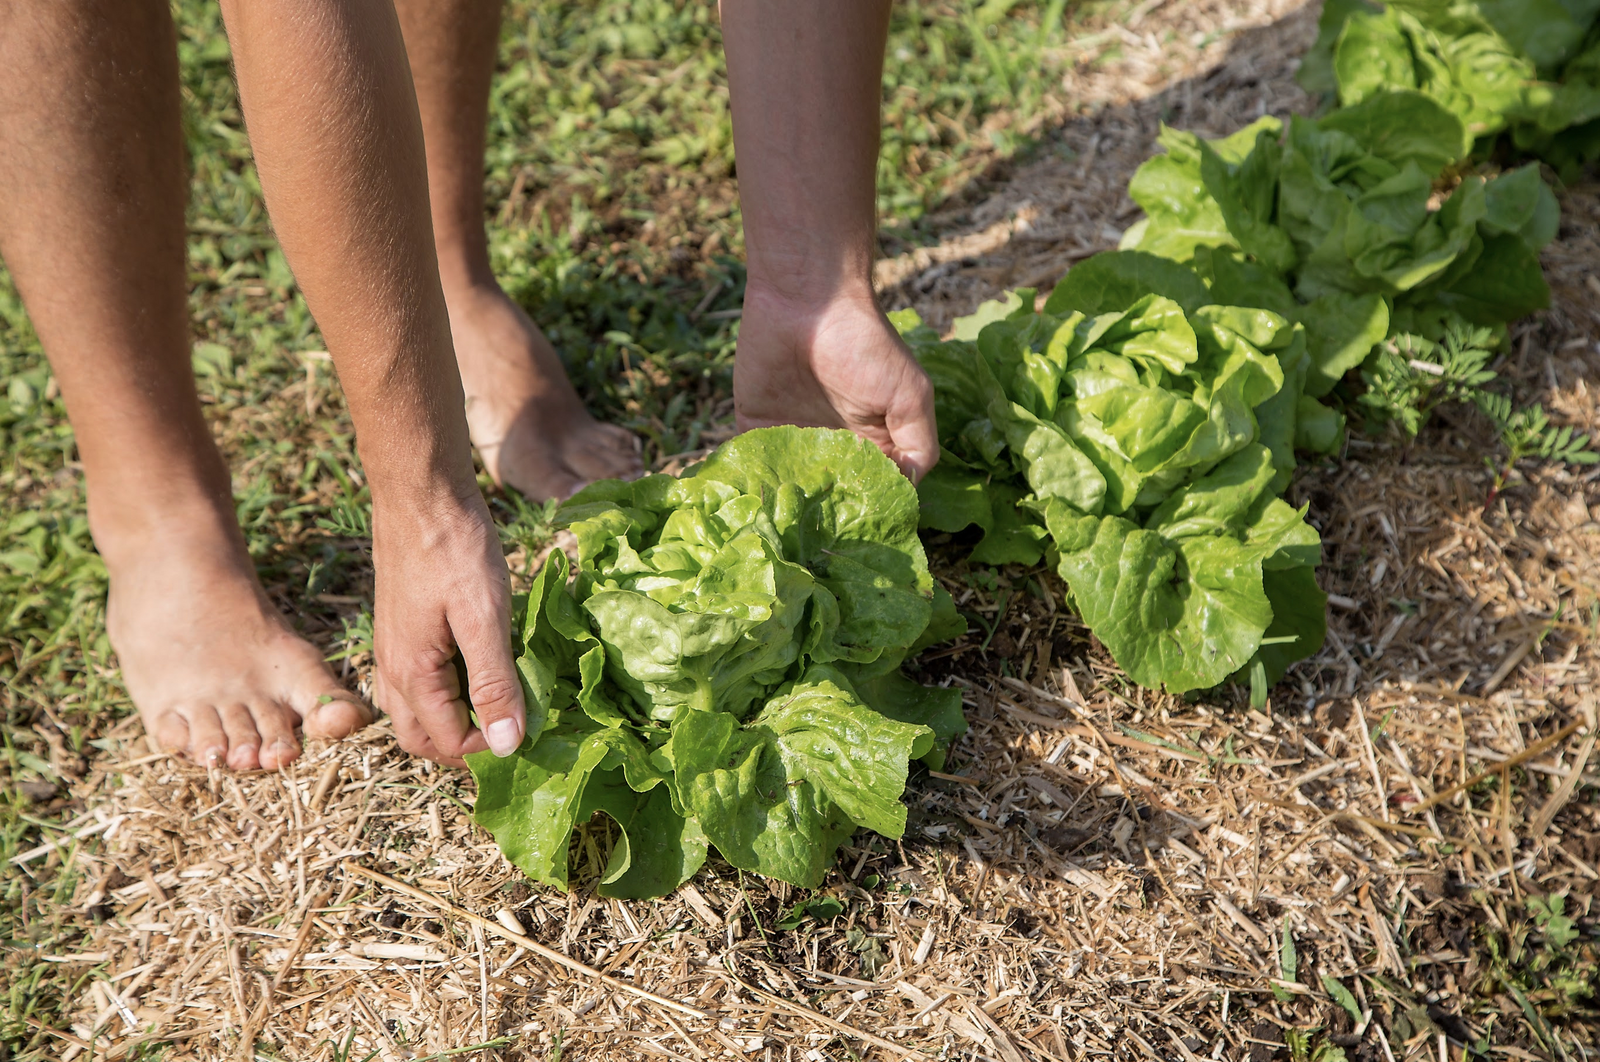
1103 871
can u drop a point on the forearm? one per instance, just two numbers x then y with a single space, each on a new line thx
805 81
333 122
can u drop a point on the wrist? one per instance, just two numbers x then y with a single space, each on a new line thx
811 269
428 479
801 295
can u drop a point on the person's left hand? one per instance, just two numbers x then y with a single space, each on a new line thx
834 362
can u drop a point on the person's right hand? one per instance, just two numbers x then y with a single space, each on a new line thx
442 584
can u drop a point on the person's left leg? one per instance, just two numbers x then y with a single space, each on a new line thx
527 422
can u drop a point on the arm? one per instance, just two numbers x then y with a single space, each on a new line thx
805 81
333 120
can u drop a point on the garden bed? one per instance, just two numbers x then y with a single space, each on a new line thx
1100 870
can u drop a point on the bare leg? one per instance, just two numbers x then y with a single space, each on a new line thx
528 424
813 346
91 227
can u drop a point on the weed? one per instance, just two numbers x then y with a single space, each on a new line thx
1410 377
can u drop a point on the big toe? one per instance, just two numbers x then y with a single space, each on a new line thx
335 714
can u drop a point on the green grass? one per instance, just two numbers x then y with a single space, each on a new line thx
609 176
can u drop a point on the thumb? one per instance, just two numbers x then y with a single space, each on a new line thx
492 684
913 433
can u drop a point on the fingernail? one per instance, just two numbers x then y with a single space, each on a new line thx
503 735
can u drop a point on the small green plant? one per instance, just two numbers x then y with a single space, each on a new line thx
1410 377
1288 962
1342 996
1305 1045
868 948
1546 963
1528 433
818 908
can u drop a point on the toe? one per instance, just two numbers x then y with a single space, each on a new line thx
170 732
606 451
336 714
208 741
244 741
279 745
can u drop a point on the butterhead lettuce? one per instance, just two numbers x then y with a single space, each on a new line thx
1139 434
723 668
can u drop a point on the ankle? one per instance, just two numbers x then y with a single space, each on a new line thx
128 533
464 270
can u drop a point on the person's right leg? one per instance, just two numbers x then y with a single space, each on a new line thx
91 226
527 422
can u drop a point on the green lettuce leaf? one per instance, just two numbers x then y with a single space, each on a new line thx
1180 601
897 697
780 793
1299 621
1114 281
845 513
530 801
656 849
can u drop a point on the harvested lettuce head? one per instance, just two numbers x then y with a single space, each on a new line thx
724 668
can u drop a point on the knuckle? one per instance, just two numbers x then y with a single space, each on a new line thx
496 693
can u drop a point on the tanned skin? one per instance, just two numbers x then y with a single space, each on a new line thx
373 177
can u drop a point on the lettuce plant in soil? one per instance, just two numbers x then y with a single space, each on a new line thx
1357 225
1526 68
1140 434
724 668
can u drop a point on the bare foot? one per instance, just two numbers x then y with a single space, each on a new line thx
214 670
527 421
839 364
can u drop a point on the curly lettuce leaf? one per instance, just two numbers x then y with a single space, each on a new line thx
1299 621
531 800
742 633
1180 601
779 794
656 848
1113 281
897 697
845 513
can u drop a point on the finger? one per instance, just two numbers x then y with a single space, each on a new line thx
415 740
913 432
419 686
496 693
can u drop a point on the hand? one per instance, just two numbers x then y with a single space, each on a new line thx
443 585
833 363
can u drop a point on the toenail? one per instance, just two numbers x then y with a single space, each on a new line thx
214 756
283 750
503 735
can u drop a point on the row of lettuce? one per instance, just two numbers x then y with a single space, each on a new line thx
723 667
1141 427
